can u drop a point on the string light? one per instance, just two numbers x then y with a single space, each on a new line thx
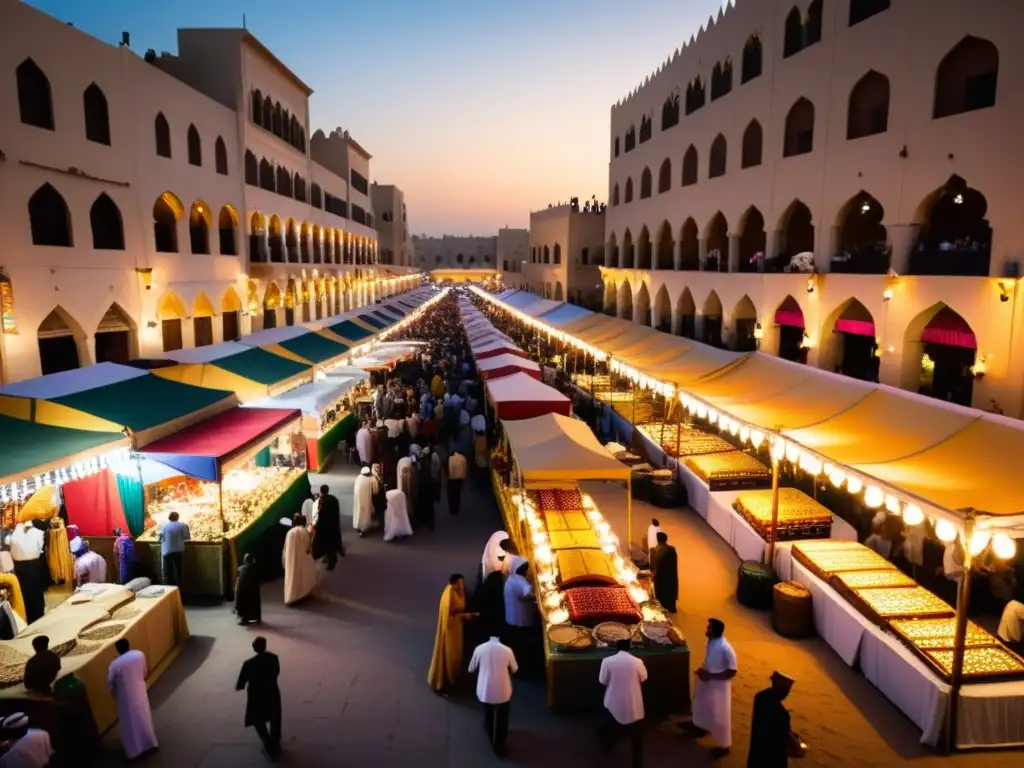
979 540
912 515
945 531
1004 546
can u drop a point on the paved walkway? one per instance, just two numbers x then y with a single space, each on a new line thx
354 668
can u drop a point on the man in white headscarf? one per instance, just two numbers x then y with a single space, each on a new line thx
396 516
28 747
366 487
494 555
404 472
364 443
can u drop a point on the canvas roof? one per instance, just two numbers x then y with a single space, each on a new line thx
68 382
559 448
31 448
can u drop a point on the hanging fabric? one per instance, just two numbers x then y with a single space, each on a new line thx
130 490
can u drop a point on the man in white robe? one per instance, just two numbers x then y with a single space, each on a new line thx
403 471
712 699
366 487
29 747
652 534
364 443
622 676
494 555
300 574
396 516
1011 622
127 682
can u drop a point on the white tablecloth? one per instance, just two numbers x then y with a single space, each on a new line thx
836 621
697 491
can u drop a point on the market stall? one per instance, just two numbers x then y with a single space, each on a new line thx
250 372
520 396
328 413
589 595
504 365
235 475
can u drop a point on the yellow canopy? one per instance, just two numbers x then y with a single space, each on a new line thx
208 375
647 354
588 321
699 360
605 333
631 338
554 448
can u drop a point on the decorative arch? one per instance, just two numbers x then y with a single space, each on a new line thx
613 251
199 222
171 307
690 167
546 257
49 218
752 59
624 302
291 242
318 237
220 156
202 306
272 300
718 157
642 309
268 179
629 189
97 115
661 318
753 241
166 211
862 236
227 228
955 236
721 79
689 246
615 195
643 260
797 228
744 321
939 349
666 247
645 184
60 340
848 345
557 254
275 239
753 145
230 312
35 100
799 133
194 146
711 316
229 301
788 331
686 315
669 111
665 176
116 338
107 224
252 169
304 234
868 108
717 236
558 292
628 261
967 78
793 33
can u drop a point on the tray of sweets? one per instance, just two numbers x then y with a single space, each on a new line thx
882 604
825 561
800 516
729 471
890 577
938 634
980 664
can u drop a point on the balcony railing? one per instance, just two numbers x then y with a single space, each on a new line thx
950 259
866 260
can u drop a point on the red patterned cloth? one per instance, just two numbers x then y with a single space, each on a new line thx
569 500
548 499
589 606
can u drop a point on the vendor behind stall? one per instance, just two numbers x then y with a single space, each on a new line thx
90 568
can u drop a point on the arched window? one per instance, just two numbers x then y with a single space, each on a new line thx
278 119
199 228
107 226
227 226
268 113
557 254
292 242
645 184
670 111
35 102
646 128
721 79
753 141
616 146
284 182
286 127
195 147
300 188
861 10
162 132
752 59
275 241
967 77
317 247
690 167
631 138
665 176
799 137
220 156
629 190
58 345
166 210
717 160
304 243
97 117
315 196
293 131
257 107
49 217
793 41
252 169
267 176
868 109
615 195
812 29
695 95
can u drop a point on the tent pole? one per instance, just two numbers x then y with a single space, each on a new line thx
960 638
775 513
629 513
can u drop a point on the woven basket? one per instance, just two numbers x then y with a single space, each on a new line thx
793 613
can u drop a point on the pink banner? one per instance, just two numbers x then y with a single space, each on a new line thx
792 318
949 337
856 327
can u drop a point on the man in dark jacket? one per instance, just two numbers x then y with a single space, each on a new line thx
327 531
771 741
258 678
665 573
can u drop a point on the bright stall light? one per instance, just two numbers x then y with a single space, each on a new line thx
559 616
544 555
912 515
1004 546
756 438
745 434
854 484
946 531
837 477
979 540
712 416
792 453
639 594
873 497
892 505
553 599
779 449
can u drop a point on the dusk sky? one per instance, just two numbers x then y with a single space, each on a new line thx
479 111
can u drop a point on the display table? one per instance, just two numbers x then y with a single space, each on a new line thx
838 623
327 443
158 631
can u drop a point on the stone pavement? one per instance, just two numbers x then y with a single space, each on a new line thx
354 667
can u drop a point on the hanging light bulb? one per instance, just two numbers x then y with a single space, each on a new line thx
892 505
745 434
873 497
1004 546
854 484
979 540
792 453
756 438
779 449
837 477
712 416
912 515
946 531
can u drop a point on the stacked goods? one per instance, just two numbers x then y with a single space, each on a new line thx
938 634
590 606
584 567
900 603
567 521
691 441
799 516
873 579
827 557
729 471
980 664
573 540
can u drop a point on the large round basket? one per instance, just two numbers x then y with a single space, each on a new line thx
754 589
667 494
641 483
792 612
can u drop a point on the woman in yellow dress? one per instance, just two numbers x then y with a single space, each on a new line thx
446 664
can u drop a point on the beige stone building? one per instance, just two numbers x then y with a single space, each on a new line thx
159 202
392 225
455 252
513 251
829 180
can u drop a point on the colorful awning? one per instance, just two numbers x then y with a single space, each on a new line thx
520 396
29 448
202 449
855 327
790 314
949 329
351 331
372 320
262 367
314 348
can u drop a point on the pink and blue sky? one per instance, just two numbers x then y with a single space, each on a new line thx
479 110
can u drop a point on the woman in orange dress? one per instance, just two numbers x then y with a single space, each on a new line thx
446 663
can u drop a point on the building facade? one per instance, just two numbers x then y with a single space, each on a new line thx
454 252
513 251
392 225
826 179
566 251
159 202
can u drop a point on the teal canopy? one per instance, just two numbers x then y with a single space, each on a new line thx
27 447
261 366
